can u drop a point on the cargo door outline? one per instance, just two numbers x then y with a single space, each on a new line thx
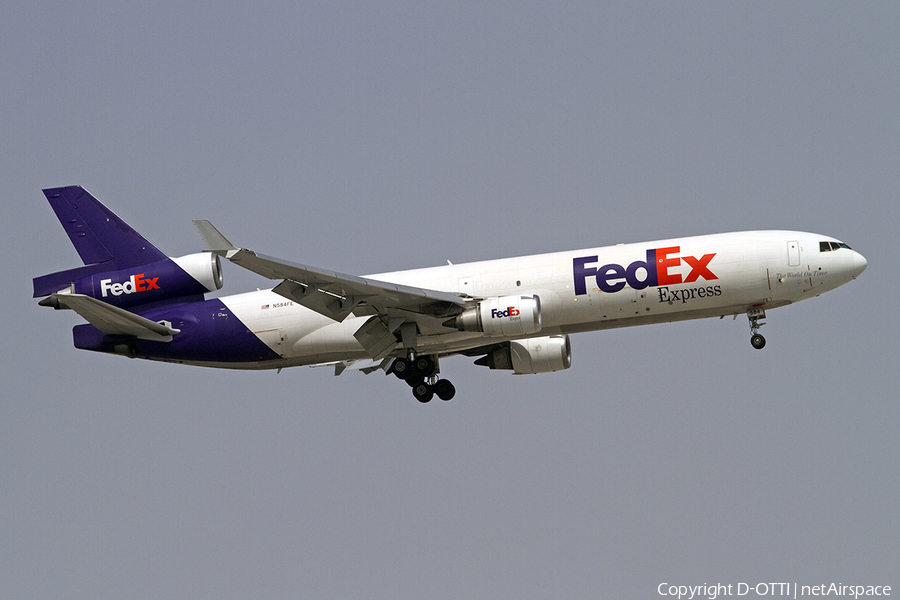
273 338
466 286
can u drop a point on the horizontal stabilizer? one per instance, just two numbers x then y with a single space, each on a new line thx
112 320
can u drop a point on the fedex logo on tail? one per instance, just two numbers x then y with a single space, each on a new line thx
651 272
137 283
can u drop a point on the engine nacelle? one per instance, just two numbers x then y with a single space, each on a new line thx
204 267
502 316
532 355
191 275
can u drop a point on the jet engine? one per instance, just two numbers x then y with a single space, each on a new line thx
204 267
533 355
501 316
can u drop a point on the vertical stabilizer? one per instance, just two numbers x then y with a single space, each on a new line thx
97 233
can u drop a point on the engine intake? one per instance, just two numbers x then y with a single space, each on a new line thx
501 316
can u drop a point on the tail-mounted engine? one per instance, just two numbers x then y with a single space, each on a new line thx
532 355
503 316
191 275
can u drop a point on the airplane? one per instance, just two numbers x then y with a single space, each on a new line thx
512 314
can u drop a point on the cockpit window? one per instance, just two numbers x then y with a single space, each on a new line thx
829 246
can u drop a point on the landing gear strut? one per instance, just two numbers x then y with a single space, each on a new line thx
756 339
420 372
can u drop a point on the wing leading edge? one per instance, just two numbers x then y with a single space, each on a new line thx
337 295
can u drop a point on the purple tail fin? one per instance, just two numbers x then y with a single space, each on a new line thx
103 240
97 233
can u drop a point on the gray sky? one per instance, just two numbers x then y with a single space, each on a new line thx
369 137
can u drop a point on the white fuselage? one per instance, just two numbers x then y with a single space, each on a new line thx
581 290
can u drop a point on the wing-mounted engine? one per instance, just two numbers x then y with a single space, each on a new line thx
533 355
187 276
502 316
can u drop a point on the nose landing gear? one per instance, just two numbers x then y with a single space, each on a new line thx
756 339
420 372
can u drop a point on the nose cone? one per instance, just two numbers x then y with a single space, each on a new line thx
859 264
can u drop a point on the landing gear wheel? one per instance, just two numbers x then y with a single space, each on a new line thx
423 365
444 389
402 368
756 316
414 379
423 392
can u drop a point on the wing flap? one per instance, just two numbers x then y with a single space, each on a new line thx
366 365
113 320
337 306
377 337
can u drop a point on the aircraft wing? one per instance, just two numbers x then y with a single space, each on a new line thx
113 320
334 295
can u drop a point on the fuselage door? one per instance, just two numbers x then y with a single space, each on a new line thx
793 254
273 338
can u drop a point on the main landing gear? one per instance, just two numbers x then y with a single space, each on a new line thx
756 339
420 372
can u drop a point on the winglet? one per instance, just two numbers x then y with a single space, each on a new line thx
214 240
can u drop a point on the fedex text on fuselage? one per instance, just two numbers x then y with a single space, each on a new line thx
640 274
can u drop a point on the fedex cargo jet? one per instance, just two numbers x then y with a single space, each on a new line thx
513 313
